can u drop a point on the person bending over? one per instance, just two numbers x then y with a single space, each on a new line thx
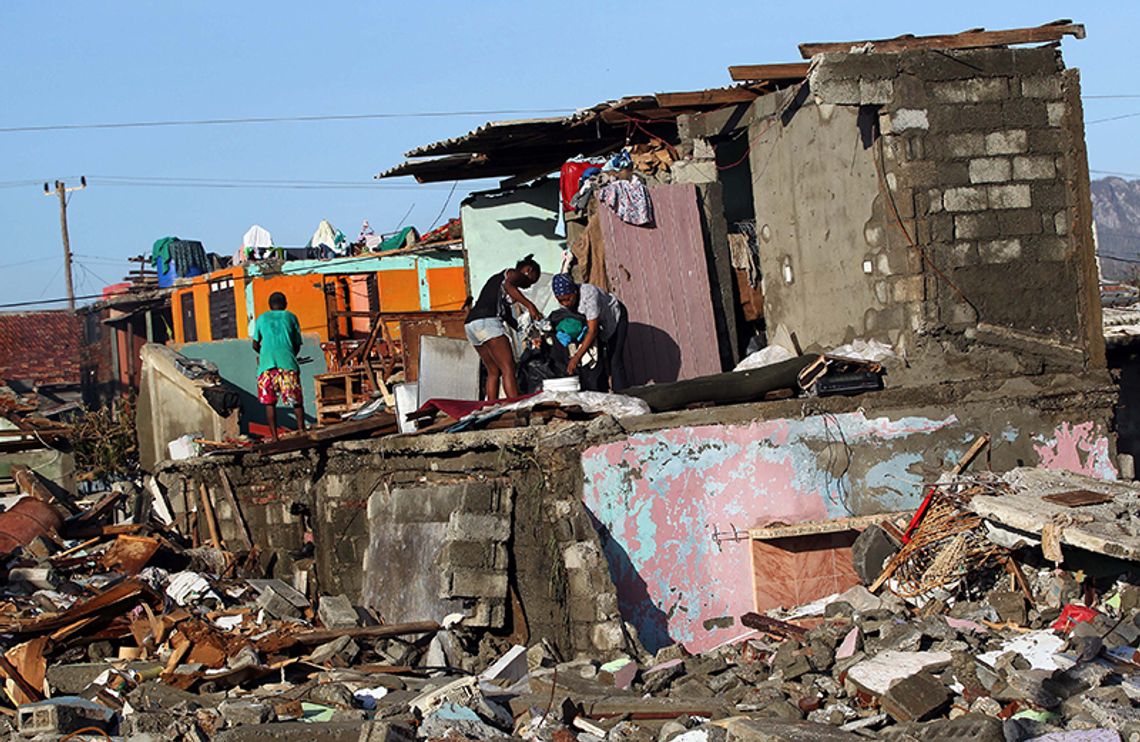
492 313
606 320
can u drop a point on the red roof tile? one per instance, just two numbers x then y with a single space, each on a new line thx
40 347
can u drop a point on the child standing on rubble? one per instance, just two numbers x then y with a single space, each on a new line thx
277 341
491 314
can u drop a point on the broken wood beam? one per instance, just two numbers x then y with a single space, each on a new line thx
783 72
235 506
773 626
721 97
211 519
21 682
385 631
1051 32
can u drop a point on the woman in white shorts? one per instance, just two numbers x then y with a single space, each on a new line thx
491 314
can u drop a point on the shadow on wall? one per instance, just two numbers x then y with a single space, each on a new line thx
636 607
532 226
651 355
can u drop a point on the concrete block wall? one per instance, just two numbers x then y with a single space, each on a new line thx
488 524
968 175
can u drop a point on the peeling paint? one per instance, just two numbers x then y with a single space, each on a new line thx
1077 448
659 498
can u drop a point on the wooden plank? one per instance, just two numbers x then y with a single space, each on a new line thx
781 72
967 40
721 97
773 626
810 528
211 519
235 506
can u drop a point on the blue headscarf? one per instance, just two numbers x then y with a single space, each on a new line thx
563 285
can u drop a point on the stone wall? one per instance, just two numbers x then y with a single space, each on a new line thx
935 200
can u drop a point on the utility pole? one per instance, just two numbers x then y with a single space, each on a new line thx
62 190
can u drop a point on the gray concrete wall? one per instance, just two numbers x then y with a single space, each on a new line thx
489 524
170 405
937 201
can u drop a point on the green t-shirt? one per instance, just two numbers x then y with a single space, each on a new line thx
280 336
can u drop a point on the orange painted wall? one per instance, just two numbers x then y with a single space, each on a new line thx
399 290
447 288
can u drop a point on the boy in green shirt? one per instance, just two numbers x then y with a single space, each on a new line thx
277 340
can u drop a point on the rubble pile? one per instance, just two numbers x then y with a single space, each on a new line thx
114 622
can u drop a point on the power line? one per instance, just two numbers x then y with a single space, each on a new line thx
1109 97
1113 118
279 119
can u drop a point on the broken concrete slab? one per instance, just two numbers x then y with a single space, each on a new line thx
781 730
877 674
916 698
337 612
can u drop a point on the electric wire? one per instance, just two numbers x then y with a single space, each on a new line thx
278 119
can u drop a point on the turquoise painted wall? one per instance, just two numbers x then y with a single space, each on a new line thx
237 364
499 228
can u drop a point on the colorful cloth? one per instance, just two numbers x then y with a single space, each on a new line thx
279 385
629 199
278 334
563 285
571 330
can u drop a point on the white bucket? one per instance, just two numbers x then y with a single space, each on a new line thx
565 384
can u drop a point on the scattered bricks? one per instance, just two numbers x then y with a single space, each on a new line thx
1010 142
337 612
964 199
1000 251
1040 167
916 698
990 170
983 225
1019 222
277 606
966 145
477 527
472 583
971 90
1010 606
1043 86
1009 196
909 118
62 715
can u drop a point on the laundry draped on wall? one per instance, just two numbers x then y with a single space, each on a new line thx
187 256
629 199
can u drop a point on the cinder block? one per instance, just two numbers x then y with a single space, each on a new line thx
62 715
964 199
472 583
908 288
1038 167
1041 86
989 170
1000 251
982 225
1009 197
1054 113
337 612
1009 142
906 119
916 698
971 90
478 527
877 92
1024 112
1019 222
970 144
831 90
1061 223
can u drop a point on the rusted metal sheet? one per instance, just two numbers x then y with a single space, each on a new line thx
24 521
660 273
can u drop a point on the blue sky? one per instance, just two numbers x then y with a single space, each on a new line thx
144 61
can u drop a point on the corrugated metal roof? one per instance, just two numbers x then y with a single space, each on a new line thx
534 147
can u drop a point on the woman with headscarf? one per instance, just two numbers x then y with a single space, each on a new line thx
491 314
606 320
